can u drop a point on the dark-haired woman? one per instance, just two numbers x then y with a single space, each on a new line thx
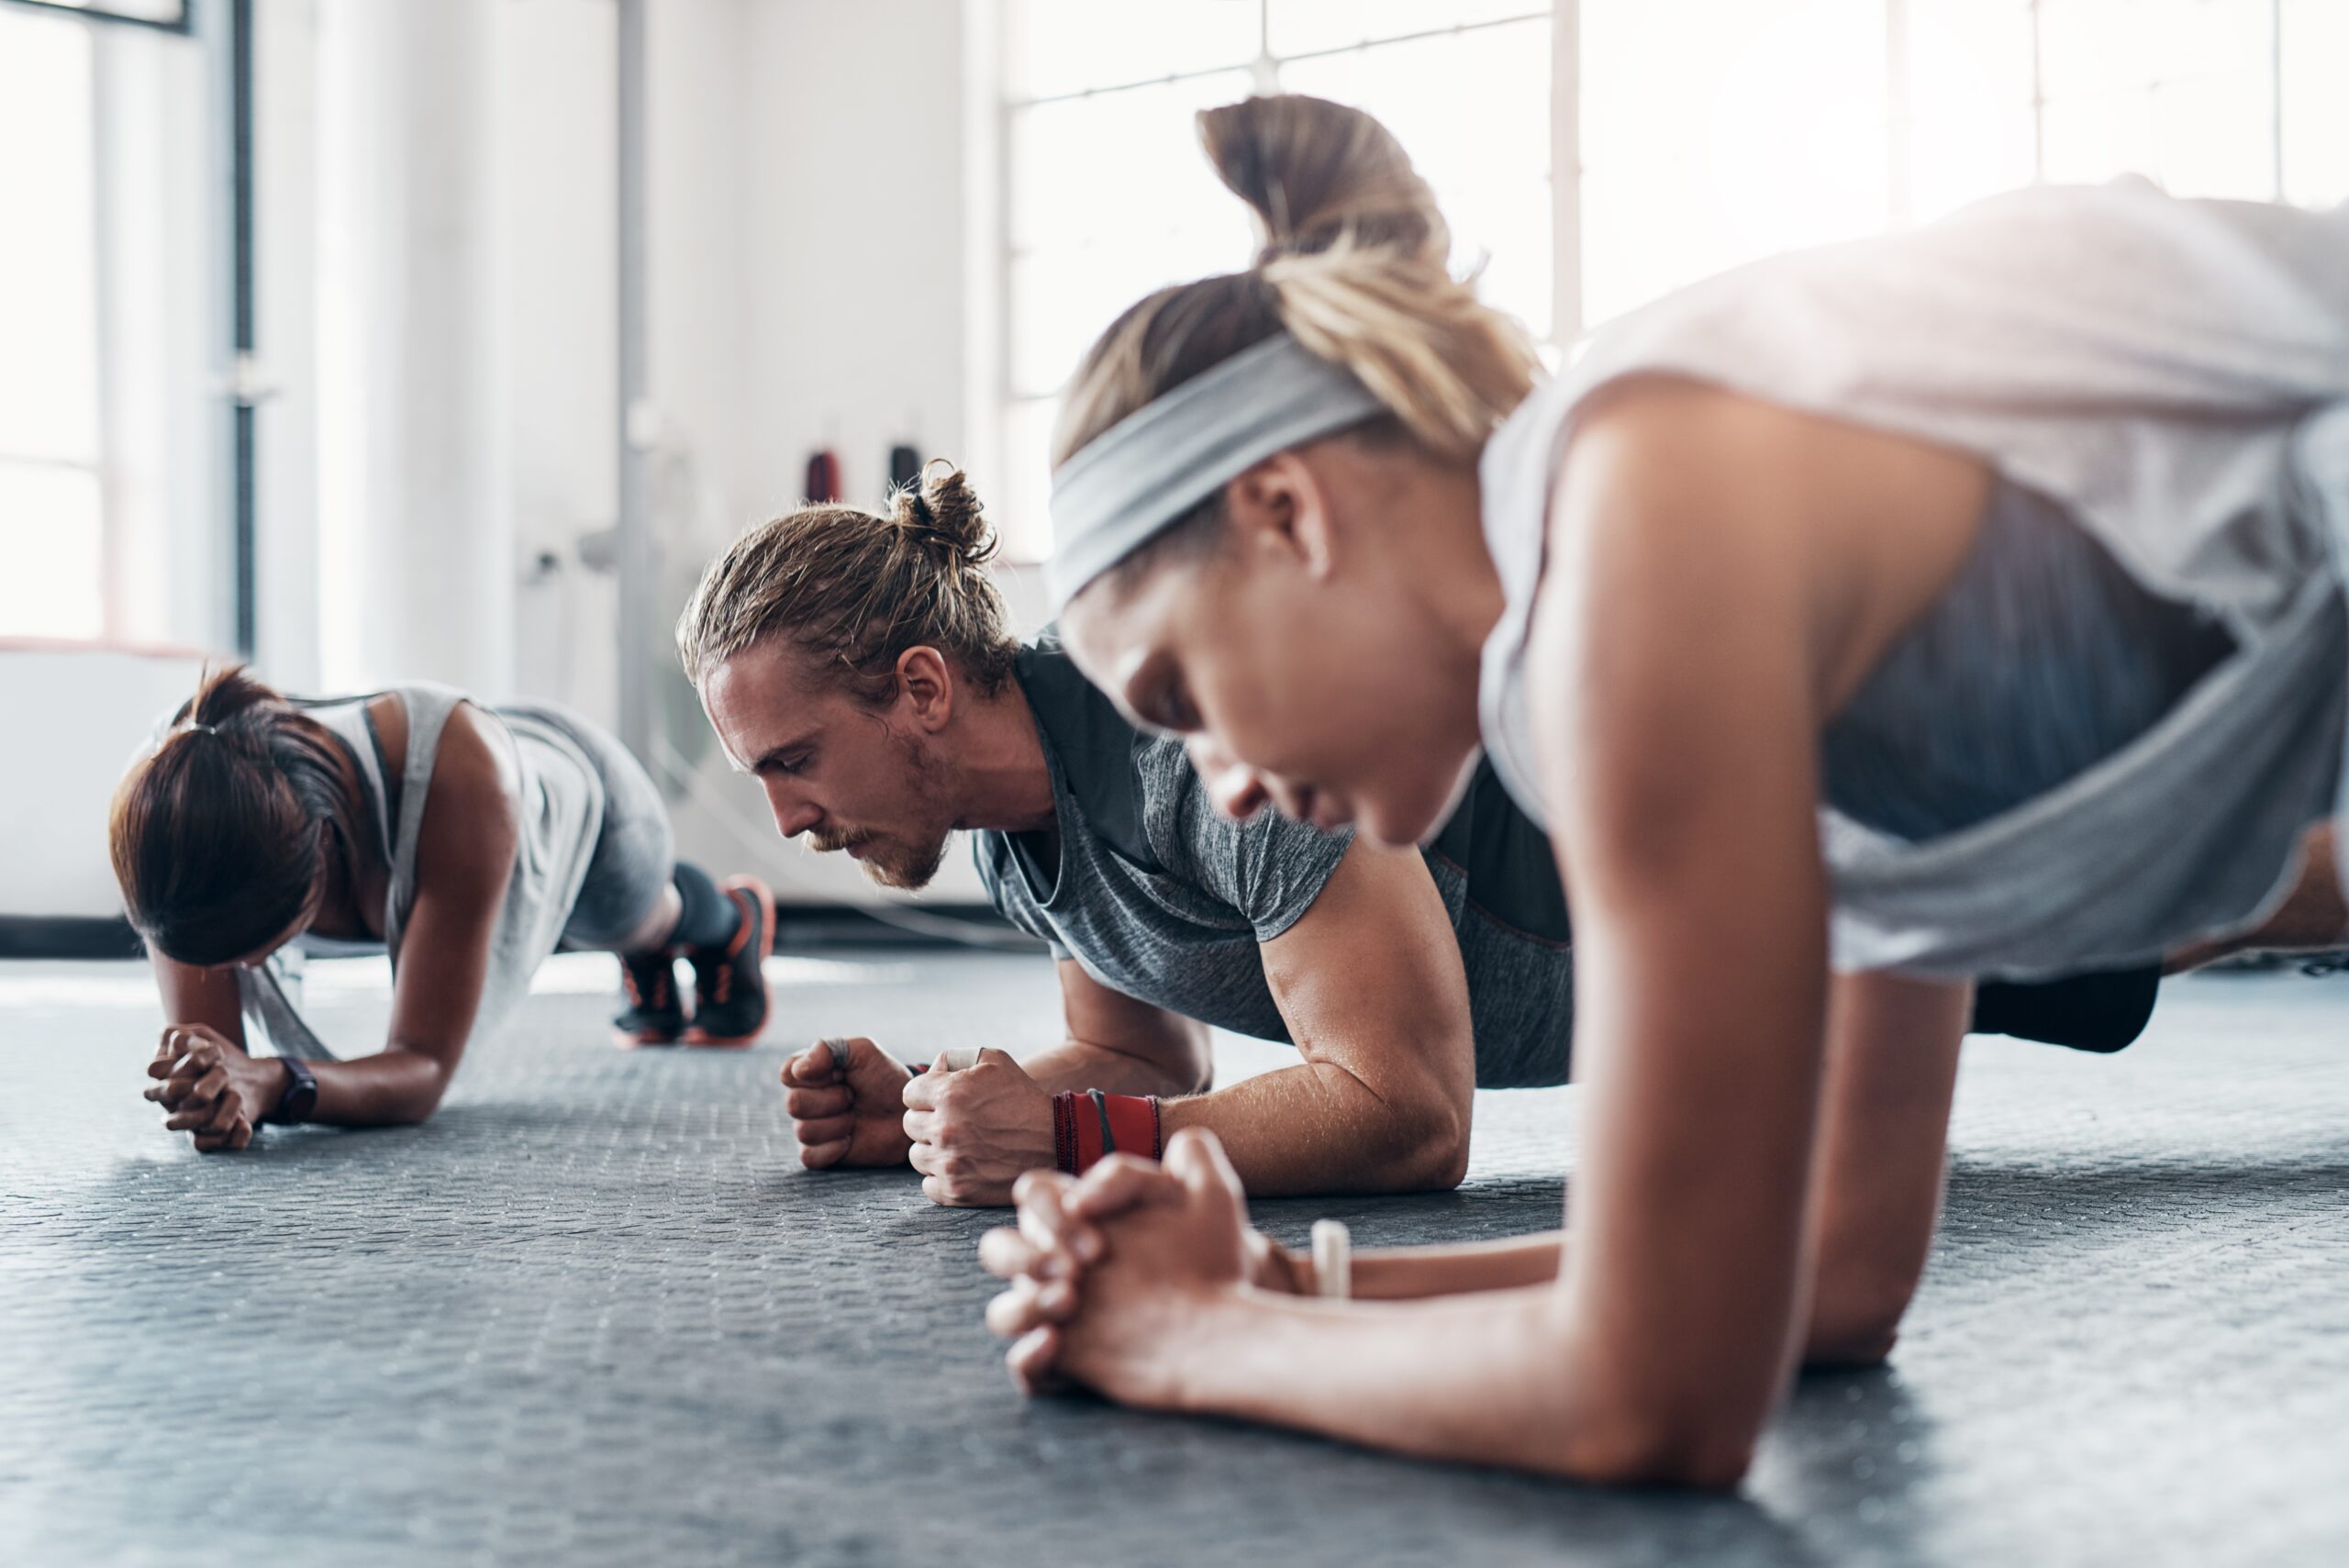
469 842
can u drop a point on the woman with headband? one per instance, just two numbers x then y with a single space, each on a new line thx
1965 602
468 842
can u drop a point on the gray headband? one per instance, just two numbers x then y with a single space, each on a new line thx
1155 464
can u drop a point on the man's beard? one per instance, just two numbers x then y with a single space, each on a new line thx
892 862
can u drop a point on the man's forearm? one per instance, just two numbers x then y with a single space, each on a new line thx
1316 1127
1082 1064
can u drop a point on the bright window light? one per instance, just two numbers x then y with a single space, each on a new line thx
1714 131
1711 133
1108 197
52 520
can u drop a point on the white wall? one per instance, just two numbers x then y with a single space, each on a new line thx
808 285
854 213
415 516
558 294
94 708
286 234
830 314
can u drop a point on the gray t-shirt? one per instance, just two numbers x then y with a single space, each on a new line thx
1159 896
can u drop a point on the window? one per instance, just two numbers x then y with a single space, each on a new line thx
1715 132
50 486
1106 196
1710 132
106 520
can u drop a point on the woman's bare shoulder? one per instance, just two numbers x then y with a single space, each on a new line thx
1671 441
476 759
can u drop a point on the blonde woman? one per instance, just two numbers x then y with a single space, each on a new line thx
1965 602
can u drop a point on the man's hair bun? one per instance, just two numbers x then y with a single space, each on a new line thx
942 507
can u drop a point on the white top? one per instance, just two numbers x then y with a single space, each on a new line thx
2175 375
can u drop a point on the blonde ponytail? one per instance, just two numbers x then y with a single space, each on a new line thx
1353 264
1448 368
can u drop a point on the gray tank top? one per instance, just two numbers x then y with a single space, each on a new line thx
562 815
2172 378
2042 659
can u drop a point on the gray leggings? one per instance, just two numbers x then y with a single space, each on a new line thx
635 850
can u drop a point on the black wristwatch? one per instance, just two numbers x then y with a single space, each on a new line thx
301 1095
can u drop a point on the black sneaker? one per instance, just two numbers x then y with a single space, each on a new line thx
729 989
655 1014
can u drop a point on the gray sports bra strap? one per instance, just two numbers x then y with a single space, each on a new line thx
368 758
428 707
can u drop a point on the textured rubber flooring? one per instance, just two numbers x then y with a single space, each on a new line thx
594 1313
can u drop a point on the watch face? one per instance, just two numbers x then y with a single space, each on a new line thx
301 1092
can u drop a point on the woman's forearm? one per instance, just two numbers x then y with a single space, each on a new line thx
1484 1379
392 1088
1402 1274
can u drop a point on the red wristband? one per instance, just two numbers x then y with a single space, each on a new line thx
1088 1124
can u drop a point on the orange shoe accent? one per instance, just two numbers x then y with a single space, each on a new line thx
629 1039
763 898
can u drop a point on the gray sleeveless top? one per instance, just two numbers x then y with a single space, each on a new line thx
2173 377
562 805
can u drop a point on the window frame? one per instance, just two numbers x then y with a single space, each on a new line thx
201 597
183 26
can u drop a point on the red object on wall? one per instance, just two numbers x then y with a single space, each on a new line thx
823 476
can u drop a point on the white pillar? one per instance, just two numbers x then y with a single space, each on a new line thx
416 554
286 224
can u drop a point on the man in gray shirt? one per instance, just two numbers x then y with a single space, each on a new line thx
857 665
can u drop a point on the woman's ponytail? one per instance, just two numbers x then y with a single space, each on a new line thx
1354 262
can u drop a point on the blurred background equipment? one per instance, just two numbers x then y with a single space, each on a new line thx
823 476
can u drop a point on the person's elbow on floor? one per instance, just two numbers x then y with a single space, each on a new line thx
1630 1431
1890 1076
1370 986
1855 1315
1705 1450
422 1083
1409 1138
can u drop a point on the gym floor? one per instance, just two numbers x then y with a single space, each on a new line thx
593 1313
